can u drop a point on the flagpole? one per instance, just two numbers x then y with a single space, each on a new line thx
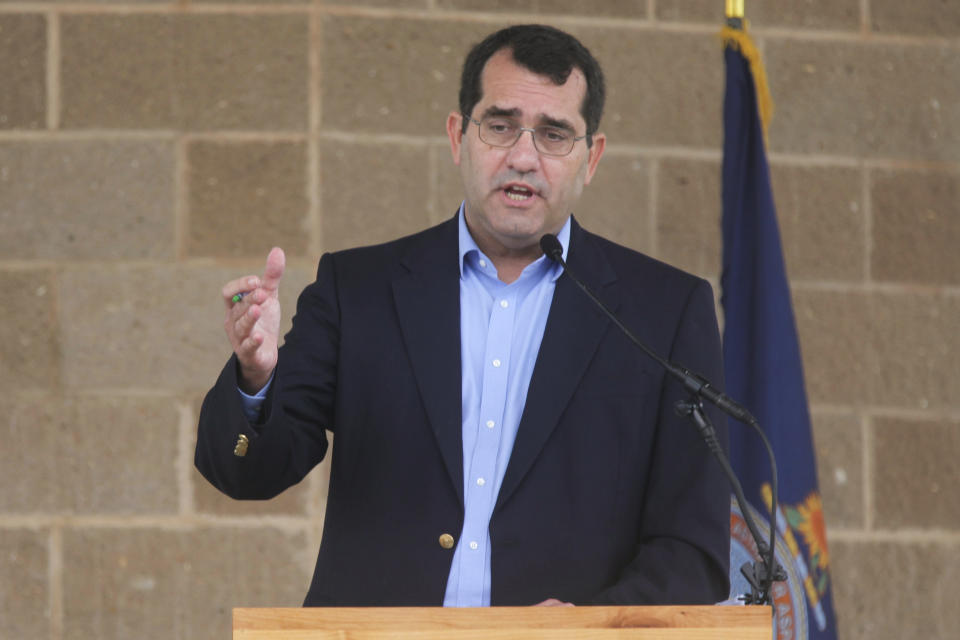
734 9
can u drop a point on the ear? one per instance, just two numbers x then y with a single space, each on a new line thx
455 134
596 150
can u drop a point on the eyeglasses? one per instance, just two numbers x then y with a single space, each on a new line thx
498 131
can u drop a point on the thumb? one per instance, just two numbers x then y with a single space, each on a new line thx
276 261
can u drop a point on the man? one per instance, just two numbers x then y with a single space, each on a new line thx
498 440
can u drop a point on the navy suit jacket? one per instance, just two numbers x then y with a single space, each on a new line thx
608 496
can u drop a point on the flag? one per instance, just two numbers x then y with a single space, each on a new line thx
762 364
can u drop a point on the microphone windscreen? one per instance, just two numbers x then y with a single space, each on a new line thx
551 247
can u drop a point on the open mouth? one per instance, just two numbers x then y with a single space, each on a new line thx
518 193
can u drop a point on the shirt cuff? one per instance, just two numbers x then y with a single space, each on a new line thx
253 404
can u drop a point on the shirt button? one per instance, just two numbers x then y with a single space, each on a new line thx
490 424
496 363
504 304
474 545
483 263
481 482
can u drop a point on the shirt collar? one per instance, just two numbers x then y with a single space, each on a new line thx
468 244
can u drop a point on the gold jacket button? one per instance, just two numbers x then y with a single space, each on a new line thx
240 449
446 541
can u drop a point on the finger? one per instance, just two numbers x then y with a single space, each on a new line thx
243 325
238 286
553 602
247 350
276 263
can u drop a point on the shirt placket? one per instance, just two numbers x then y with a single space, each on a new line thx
480 481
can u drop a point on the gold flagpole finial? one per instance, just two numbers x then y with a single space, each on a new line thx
735 8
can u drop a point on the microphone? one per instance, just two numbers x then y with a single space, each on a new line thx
760 575
695 383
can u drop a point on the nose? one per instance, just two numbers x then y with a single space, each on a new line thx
523 155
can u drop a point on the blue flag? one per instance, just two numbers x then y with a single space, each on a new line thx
763 368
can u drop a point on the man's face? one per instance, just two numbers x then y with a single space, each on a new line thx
515 195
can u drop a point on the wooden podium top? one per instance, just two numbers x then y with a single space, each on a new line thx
500 623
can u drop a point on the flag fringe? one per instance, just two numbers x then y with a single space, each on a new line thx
738 39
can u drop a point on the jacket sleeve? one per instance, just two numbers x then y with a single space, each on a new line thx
290 438
683 545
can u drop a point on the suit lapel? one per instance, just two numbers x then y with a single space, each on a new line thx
427 298
573 332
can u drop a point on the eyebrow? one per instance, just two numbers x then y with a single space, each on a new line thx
559 123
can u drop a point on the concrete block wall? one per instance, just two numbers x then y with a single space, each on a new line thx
151 150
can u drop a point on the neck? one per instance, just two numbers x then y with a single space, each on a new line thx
509 261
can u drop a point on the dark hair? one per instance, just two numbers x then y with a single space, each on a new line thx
545 51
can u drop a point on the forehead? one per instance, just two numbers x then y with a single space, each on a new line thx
507 85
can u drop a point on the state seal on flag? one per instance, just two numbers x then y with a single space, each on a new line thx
789 598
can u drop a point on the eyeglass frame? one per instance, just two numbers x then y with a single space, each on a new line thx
533 135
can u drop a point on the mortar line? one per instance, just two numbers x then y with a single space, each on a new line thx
55 582
185 431
181 198
432 184
167 522
865 17
53 70
888 288
901 536
207 262
653 221
866 185
866 434
563 20
315 106
122 9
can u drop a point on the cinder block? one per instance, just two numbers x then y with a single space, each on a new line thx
662 88
448 189
916 229
368 78
411 4
372 192
24 592
688 215
153 327
915 474
915 340
840 365
192 72
23 65
30 349
865 99
88 455
896 590
920 17
143 327
86 200
621 8
887 349
616 204
809 14
839 450
150 583
246 197
822 221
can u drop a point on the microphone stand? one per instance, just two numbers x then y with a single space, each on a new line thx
761 574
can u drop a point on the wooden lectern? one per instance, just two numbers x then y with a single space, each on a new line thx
500 623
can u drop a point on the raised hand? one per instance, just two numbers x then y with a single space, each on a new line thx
252 322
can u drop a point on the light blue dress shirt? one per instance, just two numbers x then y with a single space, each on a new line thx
501 327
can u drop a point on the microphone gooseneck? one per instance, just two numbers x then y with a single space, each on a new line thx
699 387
